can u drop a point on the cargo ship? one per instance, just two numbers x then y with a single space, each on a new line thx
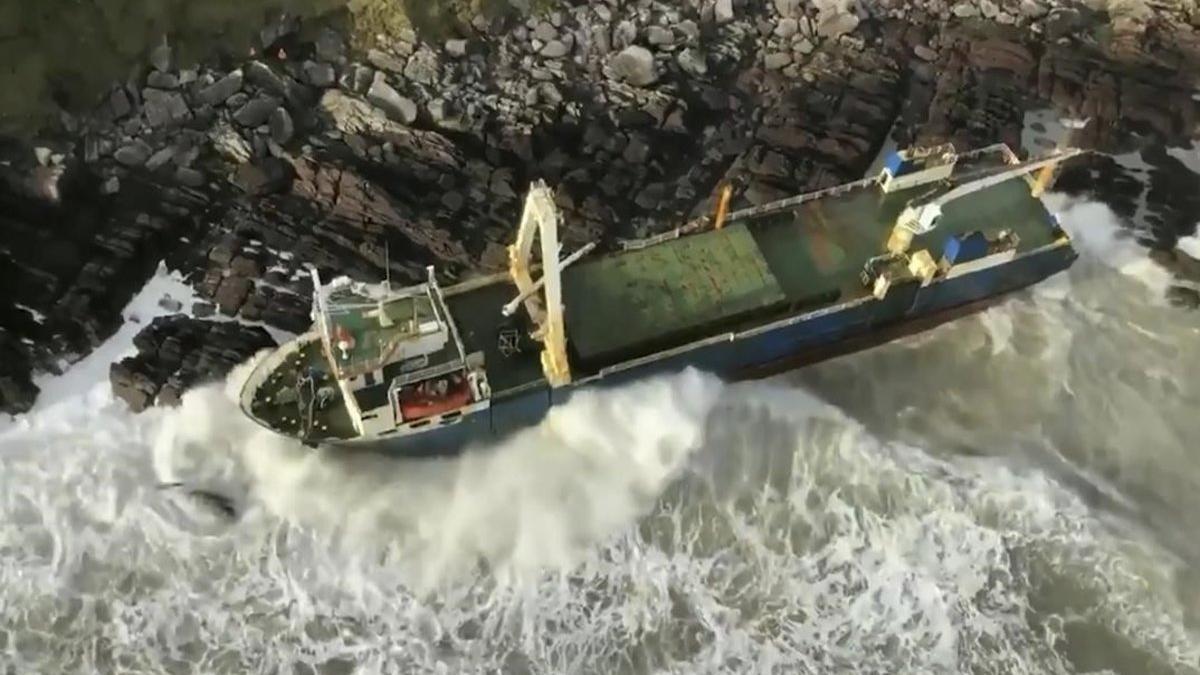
426 370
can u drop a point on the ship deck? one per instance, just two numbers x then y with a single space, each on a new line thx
767 265
277 404
633 303
819 248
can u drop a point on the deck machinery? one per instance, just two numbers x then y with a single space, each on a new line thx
421 369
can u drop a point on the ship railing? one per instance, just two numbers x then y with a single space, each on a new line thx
792 202
635 244
1009 156
267 367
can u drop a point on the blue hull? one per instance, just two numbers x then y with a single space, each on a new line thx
759 352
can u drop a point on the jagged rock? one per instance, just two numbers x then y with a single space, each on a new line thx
634 65
133 154
281 126
693 62
229 144
232 293
256 111
446 115
218 92
260 75
164 107
176 353
397 107
386 62
422 67
456 48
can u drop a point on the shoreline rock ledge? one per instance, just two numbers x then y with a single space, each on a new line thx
240 174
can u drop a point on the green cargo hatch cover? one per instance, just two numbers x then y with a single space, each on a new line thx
641 301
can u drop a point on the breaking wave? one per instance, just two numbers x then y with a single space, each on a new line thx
997 495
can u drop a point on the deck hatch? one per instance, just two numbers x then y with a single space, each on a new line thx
645 298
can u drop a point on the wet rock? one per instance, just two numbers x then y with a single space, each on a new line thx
260 75
634 65
218 92
160 159
232 293
189 177
176 353
266 176
281 126
133 154
397 107
256 111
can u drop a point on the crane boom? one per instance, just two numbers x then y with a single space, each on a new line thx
922 218
996 179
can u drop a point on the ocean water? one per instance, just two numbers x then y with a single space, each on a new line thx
1014 492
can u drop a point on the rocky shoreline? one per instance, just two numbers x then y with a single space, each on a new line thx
240 174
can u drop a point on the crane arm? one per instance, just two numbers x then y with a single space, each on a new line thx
922 218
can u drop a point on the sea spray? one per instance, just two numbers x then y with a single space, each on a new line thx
881 513
534 501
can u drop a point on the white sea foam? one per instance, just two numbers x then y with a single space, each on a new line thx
677 525
1098 234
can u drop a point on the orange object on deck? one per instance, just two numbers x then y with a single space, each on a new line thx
426 399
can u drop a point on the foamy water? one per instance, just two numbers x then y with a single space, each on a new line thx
1011 493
